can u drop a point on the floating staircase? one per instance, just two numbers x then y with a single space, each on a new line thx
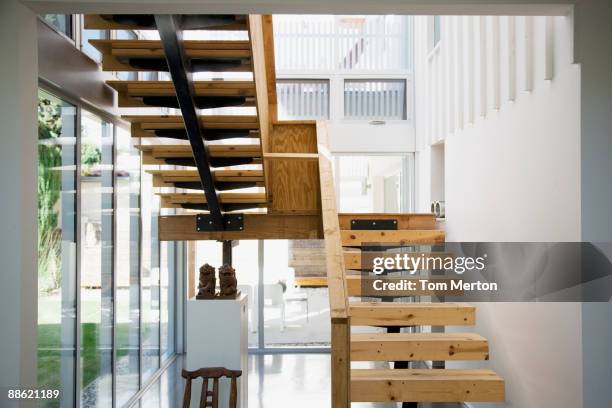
397 349
205 162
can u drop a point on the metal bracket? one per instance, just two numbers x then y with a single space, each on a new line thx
231 222
373 224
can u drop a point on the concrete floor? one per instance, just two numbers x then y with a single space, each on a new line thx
275 381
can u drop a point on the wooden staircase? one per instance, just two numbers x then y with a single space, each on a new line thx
204 162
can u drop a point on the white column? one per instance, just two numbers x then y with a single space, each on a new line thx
18 176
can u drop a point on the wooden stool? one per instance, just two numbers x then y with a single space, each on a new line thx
213 373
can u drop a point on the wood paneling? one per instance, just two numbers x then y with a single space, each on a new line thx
294 184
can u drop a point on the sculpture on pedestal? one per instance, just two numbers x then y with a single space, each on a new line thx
228 282
208 282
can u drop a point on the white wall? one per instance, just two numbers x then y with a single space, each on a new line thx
18 156
512 173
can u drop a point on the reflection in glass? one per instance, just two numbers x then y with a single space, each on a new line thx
295 316
62 22
373 183
56 246
89 49
127 279
96 261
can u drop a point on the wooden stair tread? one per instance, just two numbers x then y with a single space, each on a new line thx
357 238
145 126
424 385
201 88
199 198
154 48
218 175
224 197
418 346
411 313
215 150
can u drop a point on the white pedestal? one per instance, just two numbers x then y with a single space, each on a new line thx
216 336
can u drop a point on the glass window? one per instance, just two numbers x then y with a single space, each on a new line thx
96 260
127 279
375 99
302 99
62 22
89 49
372 184
167 293
150 276
56 246
295 316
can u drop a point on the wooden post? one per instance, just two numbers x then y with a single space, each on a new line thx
341 363
227 252
191 269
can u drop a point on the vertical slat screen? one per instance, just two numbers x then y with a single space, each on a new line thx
302 99
375 99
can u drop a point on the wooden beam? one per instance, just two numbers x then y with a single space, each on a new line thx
256 226
411 221
418 347
258 59
340 363
268 37
426 385
336 282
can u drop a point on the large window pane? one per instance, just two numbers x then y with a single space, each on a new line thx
96 261
302 99
294 316
150 276
62 22
128 268
56 246
375 99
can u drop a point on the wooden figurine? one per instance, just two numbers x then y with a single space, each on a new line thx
228 282
208 282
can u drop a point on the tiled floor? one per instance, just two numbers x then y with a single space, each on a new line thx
275 381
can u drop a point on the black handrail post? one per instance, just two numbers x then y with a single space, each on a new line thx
170 33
